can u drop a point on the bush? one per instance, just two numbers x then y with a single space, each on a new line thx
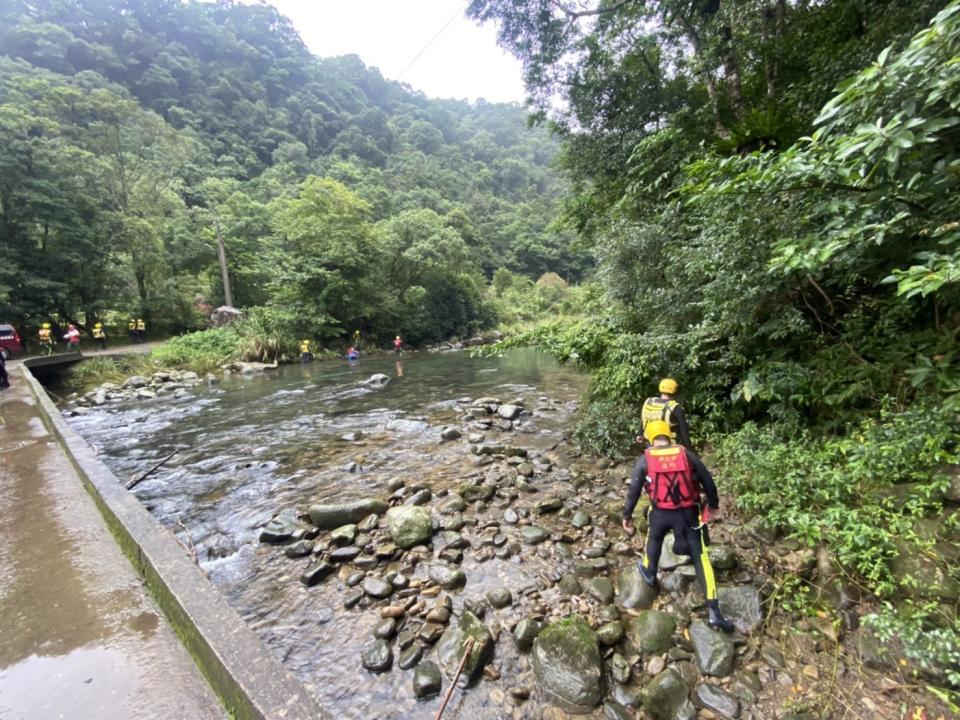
200 351
860 493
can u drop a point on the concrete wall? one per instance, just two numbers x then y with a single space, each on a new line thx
249 680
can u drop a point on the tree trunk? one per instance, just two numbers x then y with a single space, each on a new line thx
731 69
706 76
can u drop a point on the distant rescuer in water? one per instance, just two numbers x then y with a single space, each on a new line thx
674 477
667 409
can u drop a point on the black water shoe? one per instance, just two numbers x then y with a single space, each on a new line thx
716 620
648 577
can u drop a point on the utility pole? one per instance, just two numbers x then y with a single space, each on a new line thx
222 252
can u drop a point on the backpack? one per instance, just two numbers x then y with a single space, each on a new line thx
657 409
670 481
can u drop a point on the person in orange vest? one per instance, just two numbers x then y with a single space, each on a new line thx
674 478
45 337
100 336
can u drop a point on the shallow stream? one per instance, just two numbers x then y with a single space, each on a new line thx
253 446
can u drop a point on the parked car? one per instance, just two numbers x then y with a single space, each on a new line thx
10 342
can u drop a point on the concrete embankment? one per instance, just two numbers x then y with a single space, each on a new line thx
82 636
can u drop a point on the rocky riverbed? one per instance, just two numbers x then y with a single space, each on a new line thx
367 545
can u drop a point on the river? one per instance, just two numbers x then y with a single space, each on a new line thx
250 447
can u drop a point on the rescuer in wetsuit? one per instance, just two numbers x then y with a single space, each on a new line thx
666 408
674 477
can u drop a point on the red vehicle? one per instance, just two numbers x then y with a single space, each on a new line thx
10 342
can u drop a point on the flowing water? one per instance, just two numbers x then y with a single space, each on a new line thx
253 446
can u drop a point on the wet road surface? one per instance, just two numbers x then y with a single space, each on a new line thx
80 636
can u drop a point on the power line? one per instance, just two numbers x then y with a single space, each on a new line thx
430 42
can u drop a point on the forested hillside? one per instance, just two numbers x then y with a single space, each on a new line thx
771 190
130 131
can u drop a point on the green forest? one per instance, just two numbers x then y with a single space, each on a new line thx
770 191
132 133
758 198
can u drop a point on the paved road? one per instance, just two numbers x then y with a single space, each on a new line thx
80 636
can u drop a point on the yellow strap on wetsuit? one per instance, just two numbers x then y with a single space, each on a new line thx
709 580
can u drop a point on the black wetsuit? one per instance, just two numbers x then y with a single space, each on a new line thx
4 378
683 522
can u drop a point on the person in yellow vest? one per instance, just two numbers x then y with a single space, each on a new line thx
45 337
306 354
99 335
141 330
356 339
132 330
668 410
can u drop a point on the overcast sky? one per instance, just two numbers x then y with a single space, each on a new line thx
464 61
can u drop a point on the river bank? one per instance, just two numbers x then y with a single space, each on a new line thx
479 448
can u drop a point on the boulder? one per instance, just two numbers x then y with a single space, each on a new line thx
329 517
566 660
610 633
651 632
719 701
509 412
526 632
665 698
533 535
499 597
427 680
135 381
450 433
601 588
409 525
472 493
376 380
281 527
632 592
741 605
713 649
446 576
452 646
377 656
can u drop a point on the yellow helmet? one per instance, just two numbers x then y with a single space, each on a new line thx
98 324
46 326
668 386
655 429
398 337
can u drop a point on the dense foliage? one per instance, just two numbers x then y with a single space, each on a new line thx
132 133
771 190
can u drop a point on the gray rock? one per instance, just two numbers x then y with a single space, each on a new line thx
446 577
723 557
717 700
450 433
409 525
489 449
632 592
601 588
376 380
580 519
533 535
651 632
135 381
669 559
499 597
281 527
317 573
420 497
427 680
328 517
569 585
473 493
508 412
453 503
610 633
377 656
452 647
344 535
566 660
741 605
345 554
299 549
620 669
510 516
411 656
713 649
547 506
377 587
615 711
526 632
385 629
665 698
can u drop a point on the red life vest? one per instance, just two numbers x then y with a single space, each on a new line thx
670 481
